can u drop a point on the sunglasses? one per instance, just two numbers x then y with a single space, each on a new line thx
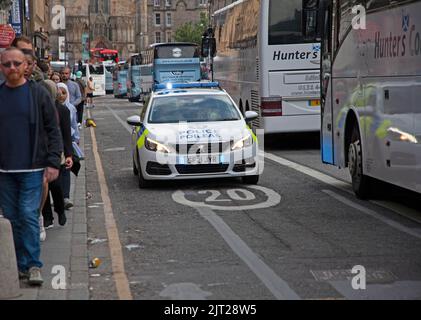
9 64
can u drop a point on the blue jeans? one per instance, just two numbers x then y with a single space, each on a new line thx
20 199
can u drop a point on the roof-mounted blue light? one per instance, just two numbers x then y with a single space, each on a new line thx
186 85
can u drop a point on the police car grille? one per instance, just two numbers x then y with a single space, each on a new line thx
201 168
203 148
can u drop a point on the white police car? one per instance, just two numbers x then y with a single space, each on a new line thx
191 131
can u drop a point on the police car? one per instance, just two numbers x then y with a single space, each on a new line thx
192 131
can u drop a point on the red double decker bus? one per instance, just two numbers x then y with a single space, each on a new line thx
101 54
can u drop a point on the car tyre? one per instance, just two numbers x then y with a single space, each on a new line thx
251 179
135 170
142 182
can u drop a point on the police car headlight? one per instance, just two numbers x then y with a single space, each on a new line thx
242 143
155 146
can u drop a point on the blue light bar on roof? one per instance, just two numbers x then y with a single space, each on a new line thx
169 85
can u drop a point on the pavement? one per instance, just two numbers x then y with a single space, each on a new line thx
65 251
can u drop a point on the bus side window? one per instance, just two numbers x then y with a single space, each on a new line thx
377 4
344 19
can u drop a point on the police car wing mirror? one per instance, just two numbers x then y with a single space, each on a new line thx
250 116
134 121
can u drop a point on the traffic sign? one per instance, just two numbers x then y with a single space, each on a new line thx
7 35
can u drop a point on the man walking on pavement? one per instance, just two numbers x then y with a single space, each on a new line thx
30 149
75 99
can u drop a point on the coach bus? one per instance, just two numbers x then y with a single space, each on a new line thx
175 62
120 79
371 91
109 66
134 80
268 59
97 72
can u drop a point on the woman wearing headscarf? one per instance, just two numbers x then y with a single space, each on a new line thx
67 162
65 100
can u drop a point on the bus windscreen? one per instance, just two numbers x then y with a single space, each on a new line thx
96 69
292 22
171 52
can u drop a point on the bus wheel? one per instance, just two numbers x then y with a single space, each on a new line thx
360 182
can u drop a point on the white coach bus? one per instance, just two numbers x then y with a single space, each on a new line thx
371 91
268 59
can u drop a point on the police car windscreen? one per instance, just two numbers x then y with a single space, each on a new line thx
192 108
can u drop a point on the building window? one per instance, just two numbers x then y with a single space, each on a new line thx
169 19
158 37
156 3
157 19
169 36
168 3
106 7
94 6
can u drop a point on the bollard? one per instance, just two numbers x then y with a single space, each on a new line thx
9 279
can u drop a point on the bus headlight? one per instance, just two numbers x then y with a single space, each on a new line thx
155 146
242 143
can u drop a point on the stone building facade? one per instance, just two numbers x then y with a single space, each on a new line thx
159 19
108 24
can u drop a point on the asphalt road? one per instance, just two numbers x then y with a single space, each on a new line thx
297 235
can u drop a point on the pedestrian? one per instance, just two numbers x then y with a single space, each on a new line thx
64 99
55 187
25 44
90 88
30 148
56 77
81 105
44 67
75 95
32 73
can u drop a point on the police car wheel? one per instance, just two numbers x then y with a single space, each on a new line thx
142 182
250 179
135 171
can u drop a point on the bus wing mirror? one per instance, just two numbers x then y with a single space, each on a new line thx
208 47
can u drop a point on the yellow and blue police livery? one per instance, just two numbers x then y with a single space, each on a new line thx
193 131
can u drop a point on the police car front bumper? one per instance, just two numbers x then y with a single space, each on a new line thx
156 166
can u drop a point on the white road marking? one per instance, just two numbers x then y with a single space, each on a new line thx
392 206
413 232
184 291
311 172
277 286
273 200
123 123
115 149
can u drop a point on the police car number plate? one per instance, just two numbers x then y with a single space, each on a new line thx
197 159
